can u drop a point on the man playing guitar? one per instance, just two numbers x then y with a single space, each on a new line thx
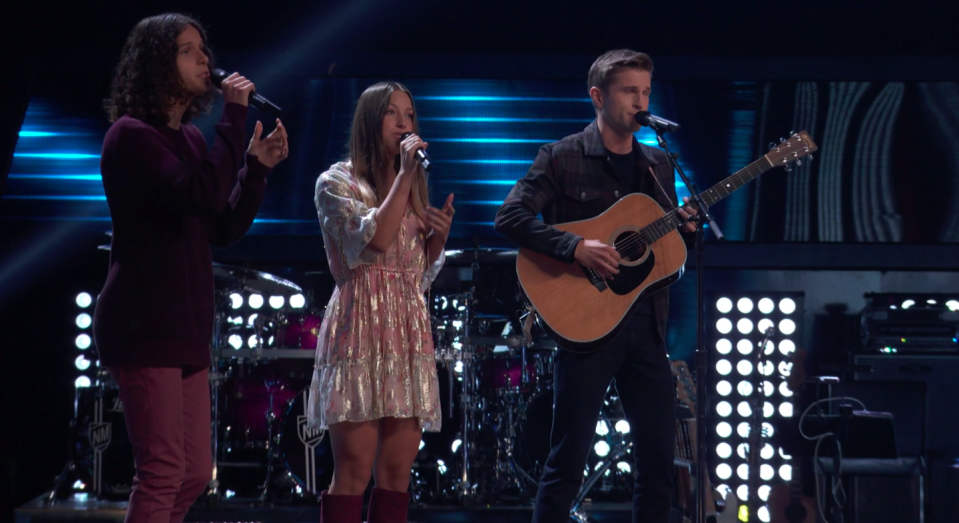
578 178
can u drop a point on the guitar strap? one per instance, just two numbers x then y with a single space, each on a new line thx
661 188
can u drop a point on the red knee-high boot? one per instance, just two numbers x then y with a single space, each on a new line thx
340 509
388 506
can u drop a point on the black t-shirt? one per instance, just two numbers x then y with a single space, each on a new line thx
635 179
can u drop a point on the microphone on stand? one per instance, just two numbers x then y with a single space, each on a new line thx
656 123
420 154
218 75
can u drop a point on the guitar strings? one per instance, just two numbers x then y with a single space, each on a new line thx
635 241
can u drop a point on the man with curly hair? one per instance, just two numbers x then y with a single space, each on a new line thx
170 198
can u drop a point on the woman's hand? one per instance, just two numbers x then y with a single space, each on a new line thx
441 219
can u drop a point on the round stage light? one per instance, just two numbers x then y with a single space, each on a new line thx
84 320
787 305
83 341
724 388
84 300
724 305
297 301
766 306
724 326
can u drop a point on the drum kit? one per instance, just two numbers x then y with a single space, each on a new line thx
495 367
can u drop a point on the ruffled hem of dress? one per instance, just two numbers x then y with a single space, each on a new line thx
425 403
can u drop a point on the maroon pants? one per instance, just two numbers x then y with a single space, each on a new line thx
167 413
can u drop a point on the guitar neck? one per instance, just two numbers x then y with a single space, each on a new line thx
671 220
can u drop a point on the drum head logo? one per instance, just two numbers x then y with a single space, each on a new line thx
100 435
310 437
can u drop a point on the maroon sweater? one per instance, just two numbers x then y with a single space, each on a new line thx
169 200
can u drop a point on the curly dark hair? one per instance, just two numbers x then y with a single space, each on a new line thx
146 83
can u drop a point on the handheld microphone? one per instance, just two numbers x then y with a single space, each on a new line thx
656 123
420 154
218 75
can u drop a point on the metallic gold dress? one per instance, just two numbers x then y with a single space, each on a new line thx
374 353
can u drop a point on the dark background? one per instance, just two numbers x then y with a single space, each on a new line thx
728 71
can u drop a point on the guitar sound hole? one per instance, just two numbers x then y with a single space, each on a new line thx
630 246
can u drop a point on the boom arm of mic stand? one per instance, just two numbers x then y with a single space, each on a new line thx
703 209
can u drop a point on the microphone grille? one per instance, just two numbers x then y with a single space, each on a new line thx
217 76
642 118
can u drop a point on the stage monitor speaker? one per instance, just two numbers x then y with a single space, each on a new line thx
940 373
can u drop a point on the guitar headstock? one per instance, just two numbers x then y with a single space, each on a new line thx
793 150
685 386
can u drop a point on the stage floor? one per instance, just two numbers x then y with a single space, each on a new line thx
96 511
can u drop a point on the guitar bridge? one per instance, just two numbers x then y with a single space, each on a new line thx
594 278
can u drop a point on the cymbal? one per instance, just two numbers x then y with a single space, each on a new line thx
253 280
250 279
481 254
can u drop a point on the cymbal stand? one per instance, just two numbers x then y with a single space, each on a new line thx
216 379
466 489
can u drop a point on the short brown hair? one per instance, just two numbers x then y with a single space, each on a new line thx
602 71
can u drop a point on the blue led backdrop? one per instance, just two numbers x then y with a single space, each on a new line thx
885 171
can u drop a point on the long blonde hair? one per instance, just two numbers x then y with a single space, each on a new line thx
368 152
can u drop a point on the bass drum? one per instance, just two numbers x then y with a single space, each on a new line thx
101 448
306 453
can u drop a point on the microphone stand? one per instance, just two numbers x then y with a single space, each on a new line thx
702 359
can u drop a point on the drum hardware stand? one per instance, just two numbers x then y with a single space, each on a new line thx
578 513
466 489
505 461
216 379
71 464
102 376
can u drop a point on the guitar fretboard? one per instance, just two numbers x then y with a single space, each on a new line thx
671 220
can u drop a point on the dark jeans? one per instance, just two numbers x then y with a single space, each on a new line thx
636 358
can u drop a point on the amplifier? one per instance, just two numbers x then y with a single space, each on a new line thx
901 322
942 392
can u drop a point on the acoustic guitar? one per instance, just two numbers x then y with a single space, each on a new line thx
582 311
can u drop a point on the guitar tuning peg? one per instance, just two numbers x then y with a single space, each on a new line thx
788 168
772 145
798 163
782 140
809 158
792 133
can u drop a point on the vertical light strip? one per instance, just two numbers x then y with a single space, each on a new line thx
843 99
